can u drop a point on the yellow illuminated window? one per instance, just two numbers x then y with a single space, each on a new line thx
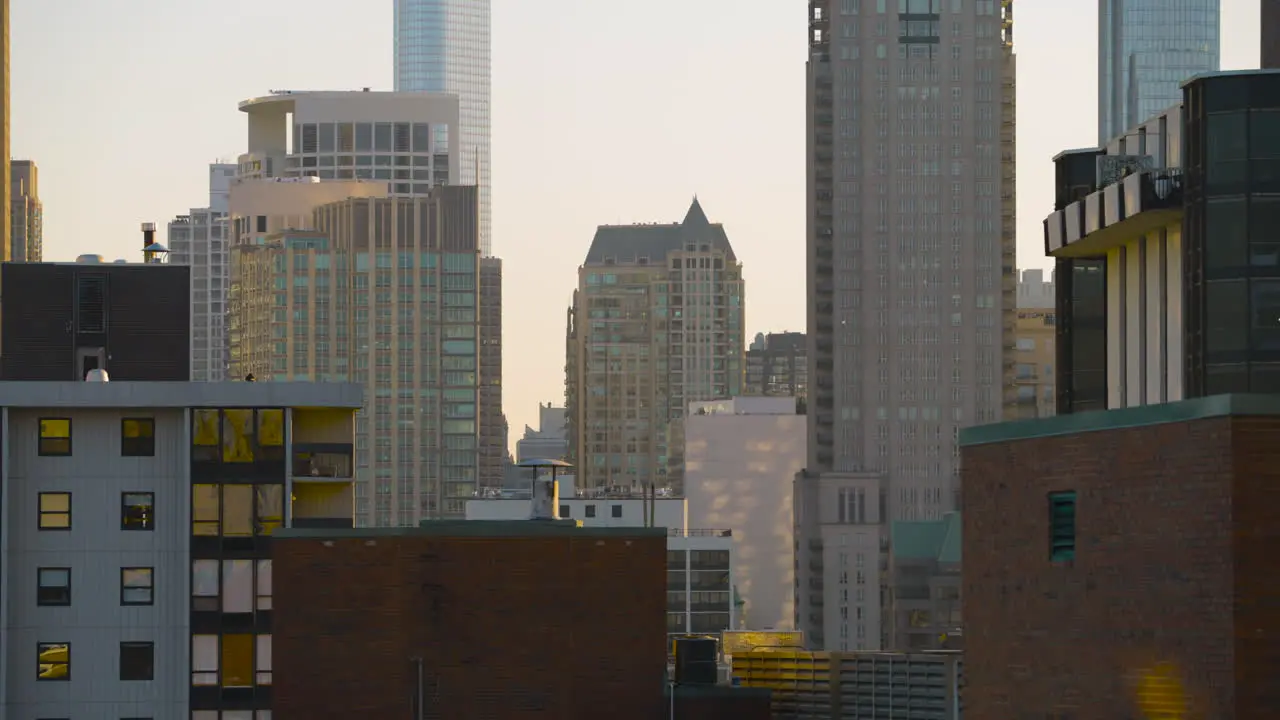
55 437
53 662
271 428
237 661
204 428
237 436
237 510
205 511
138 437
55 511
270 508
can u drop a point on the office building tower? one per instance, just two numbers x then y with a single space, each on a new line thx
656 323
129 319
5 145
382 291
1146 49
442 46
399 139
27 230
200 240
493 424
911 281
549 441
138 563
1270 35
740 457
776 365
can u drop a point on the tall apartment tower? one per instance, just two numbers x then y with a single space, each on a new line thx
656 323
776 366
1146 48
1270 35
911 282
5 146
493 424
26 213
442 46
383 292
201 240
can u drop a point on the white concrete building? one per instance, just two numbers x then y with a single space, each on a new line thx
741 457
700 562
199 239
550 441
402 139
136 578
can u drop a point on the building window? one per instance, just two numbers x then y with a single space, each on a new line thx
262 659
616 511
137 586
137 511
137 661
55 437
138 437
1062 526
564 511
53 662
53 586
591 511
239 510
55 511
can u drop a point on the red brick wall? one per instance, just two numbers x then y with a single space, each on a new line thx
1153 580
512 628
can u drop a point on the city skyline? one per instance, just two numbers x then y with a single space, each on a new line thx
550 191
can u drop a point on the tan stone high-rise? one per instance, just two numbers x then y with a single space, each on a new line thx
26 241
5 145
381 291
656 323
911 282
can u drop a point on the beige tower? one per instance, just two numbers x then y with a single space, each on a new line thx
5 147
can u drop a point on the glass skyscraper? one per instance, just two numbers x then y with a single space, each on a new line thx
1146 49
443 46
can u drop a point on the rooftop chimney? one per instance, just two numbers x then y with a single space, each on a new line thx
148 235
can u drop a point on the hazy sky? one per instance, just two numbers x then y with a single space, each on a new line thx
603 112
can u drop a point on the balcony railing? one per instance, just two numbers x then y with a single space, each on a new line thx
323 461
699 532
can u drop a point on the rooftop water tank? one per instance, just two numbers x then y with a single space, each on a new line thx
89 259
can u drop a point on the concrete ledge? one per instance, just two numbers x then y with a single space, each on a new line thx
475 529
140 394
1206 408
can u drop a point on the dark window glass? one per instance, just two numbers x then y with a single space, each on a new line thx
1264 230
1226 237
382 137
137 661
1226 378
364 139
138 437
1264 134
591 511
564 511
422 137
616 511
1226 136
1227 328
1062 526
1264 378
1226 93
326 137
53 586
1265 314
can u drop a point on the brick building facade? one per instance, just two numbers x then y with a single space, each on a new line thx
1118 564
511 620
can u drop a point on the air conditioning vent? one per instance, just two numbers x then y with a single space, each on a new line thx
91 303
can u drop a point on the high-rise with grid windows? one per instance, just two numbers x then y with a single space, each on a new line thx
1146 49
911 284
442 46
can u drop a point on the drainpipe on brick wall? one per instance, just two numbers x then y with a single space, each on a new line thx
419 710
